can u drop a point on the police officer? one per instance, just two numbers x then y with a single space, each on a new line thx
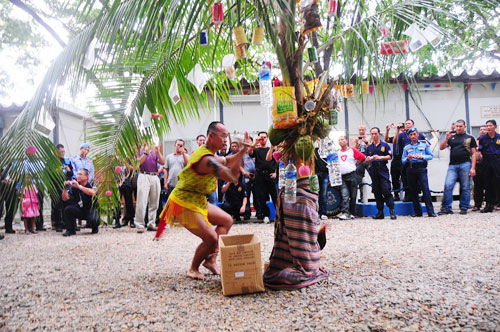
489 146
402 139
378 154
415 157
235 199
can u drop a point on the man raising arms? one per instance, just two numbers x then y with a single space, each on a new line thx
187 204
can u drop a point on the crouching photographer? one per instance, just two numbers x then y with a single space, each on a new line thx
78 195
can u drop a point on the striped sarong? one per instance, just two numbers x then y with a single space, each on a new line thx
295 258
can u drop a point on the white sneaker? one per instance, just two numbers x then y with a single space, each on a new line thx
140 228
266 220
323 217
352 217
343 217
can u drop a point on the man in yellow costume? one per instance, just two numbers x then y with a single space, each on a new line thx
187 204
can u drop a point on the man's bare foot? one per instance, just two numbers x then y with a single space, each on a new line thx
195 274
212 266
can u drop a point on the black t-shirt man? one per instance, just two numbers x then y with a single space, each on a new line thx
261 164
78 197
460 148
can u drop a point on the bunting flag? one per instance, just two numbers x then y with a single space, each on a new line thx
493 85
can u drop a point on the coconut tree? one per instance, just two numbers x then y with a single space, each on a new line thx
139 50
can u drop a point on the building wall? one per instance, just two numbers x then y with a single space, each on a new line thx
435 109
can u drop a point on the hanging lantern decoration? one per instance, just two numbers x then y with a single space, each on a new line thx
372 89
217 13
240 38
469 86
493 85
348 90
109 193
404 86
394 47
309 16
258 36
204 38
156 116
332 7
365 87
276 82
118 169
313 54
31 150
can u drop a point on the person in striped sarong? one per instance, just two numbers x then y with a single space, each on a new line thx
295 258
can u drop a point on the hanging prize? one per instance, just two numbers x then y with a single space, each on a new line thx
332 7
240 38
313 54
365 87
173 91
228 64
217 13
349 90
204 38
394 47
239 51
258 36
198 77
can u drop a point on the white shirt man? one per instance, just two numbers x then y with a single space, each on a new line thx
349 158
174 163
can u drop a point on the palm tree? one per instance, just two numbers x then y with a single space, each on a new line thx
136 48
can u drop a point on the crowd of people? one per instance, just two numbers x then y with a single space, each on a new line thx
148 182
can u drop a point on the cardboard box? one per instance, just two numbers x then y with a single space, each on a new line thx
241 264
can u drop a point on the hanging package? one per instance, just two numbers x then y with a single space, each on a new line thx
332 7
173 92
284 107
394 47
365 87
258 36
239 51
203 38
240 38
217 13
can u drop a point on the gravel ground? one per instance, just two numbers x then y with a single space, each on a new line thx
410 274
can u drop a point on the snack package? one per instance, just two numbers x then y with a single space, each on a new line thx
284 107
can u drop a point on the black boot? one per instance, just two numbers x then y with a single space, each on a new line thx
379 215
487 209
393 214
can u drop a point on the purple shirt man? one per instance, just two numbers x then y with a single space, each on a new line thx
150 164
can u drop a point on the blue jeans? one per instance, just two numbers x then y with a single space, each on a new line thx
460 173
323 192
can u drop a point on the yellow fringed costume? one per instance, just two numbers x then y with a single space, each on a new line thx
189 196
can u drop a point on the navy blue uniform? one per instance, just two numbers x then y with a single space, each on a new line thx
379 173
404 140
490 149
416 172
